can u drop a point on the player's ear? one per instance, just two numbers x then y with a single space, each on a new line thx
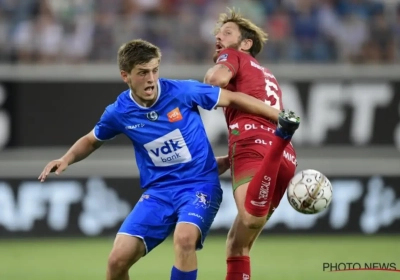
246 44
124 76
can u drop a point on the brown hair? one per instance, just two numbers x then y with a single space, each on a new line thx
136 52
248 30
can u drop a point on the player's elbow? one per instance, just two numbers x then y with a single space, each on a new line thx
216 79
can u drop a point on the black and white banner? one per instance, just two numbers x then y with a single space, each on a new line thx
97 206
6 120
358 113
335 113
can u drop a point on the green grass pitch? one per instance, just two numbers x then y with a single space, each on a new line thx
273 257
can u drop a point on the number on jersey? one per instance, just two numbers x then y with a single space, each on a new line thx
271 90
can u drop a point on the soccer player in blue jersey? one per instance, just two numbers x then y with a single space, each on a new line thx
178 170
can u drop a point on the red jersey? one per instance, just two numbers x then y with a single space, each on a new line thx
250 78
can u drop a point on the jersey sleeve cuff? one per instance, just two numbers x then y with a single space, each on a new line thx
216 103
230 67
98 139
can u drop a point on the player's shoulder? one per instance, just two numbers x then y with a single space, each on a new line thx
173 82
172 86
243 58
227 54
231 51
256 65
121 104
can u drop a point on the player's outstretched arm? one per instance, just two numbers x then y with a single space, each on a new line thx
247 103
79 151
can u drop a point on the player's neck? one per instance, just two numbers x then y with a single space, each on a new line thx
145 103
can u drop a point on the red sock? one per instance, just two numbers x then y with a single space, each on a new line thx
261 188
238 268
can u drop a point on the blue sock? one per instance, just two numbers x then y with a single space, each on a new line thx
176 274
283 134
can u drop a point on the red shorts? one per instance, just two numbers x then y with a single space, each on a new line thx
246 157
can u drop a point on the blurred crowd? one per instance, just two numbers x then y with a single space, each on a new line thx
313 31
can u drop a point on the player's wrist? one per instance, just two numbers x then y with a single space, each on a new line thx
68 159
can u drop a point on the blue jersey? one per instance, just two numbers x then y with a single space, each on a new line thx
169 139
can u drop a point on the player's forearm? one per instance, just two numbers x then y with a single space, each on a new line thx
249 104
81 150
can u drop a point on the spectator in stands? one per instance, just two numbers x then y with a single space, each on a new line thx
317 31
307 43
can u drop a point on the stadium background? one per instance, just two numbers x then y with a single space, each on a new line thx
337 62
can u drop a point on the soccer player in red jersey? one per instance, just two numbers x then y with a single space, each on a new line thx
261 158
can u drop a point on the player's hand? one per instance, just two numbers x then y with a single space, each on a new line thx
57 166
223 164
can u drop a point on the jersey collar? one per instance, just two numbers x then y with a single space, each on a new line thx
158 96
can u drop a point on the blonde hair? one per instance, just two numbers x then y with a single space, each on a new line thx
248 30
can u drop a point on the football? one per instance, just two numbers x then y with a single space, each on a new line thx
309 192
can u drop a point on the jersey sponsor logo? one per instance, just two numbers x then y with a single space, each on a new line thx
153 116
143 197
234 128
223 57
175 115
255 127
255 65
263 142
259 203
264 188
263 193
196 215
290 157
202 200
135 126
169 149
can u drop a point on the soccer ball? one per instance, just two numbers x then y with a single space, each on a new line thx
309 192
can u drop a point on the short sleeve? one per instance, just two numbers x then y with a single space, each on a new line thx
229 58
203 95
107 127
